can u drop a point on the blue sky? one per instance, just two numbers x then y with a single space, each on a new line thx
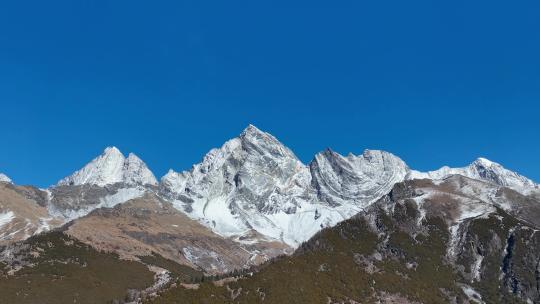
433 82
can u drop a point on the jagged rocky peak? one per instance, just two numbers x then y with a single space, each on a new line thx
4 178
255 140
112 167
173 181
252 154
340 179
136 171
237 186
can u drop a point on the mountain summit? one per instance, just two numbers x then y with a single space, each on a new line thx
253 183
4 178
112 167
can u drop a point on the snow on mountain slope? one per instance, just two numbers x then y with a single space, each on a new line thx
72 202
112 167
483 169
254 182
108 180
4 178
6 218
246 184
150 224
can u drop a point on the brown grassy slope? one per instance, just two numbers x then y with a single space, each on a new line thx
27 204
148 224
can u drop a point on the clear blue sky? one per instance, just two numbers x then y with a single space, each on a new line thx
434 82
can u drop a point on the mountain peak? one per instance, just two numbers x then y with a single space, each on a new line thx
253 140
112 150
485 169
133 157
327 152
253 134
5 178
485 162
112 167
251 129
482 169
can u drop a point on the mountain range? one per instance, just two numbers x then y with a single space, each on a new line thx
252 200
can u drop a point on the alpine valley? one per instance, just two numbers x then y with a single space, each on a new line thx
251 223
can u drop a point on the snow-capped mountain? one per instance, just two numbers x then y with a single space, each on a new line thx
4 178
254 188
253 183
112 167
106 181
482 169
252 199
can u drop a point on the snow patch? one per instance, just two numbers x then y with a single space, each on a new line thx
454 240
476 267
6 218
472 294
